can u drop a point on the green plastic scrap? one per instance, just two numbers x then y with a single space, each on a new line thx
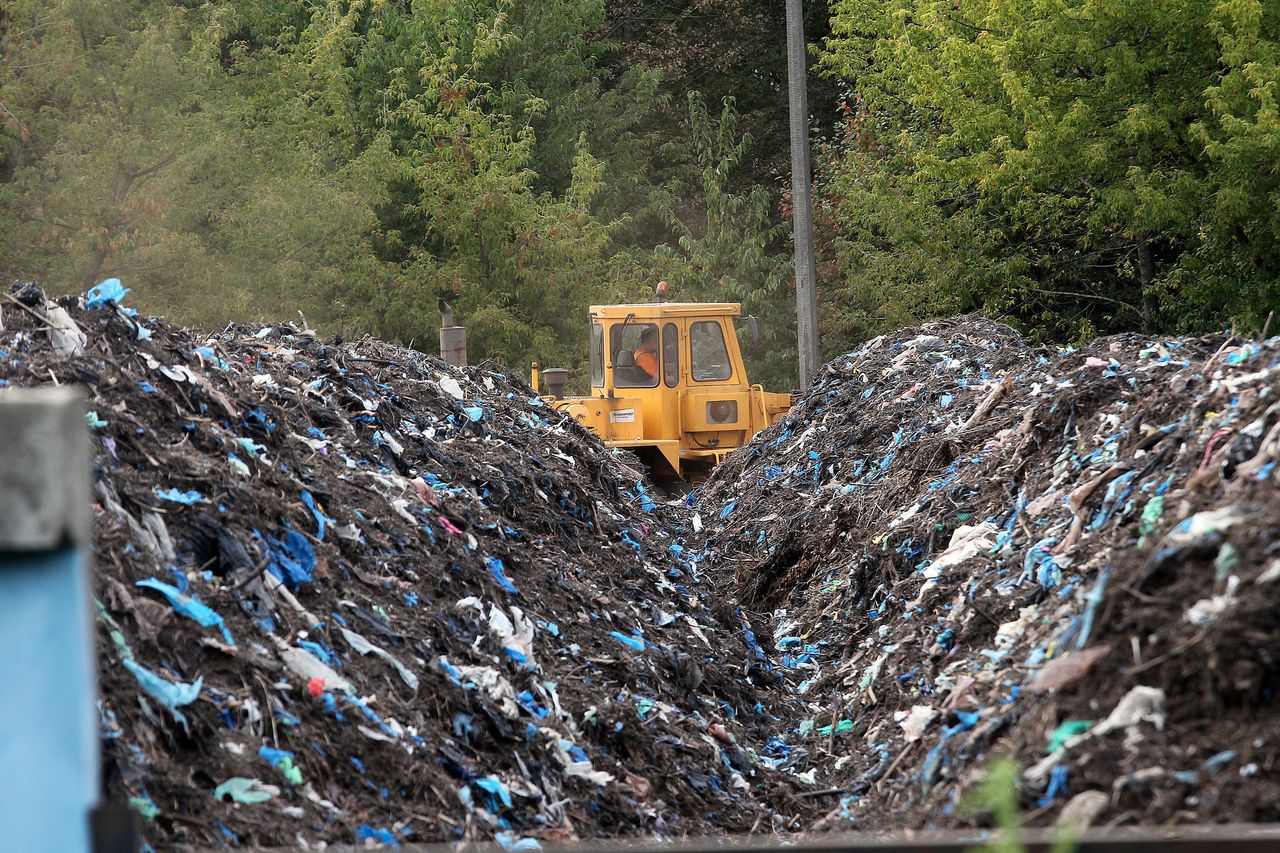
283 762
289 772
245 791
840 727
1226 562
1066 731
117 635
144 806
94 422
1151 515
250 447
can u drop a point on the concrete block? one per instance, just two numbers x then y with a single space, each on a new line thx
45 469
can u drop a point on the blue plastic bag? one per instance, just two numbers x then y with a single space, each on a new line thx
188 606
109 292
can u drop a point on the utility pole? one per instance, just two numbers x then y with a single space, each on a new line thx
801 198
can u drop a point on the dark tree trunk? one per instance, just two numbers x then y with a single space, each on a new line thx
1146 277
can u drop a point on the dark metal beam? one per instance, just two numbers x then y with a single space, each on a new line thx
1223 838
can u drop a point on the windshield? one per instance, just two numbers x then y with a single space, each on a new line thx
635 355
709 354
597 355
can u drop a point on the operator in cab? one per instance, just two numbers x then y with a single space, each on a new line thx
646 355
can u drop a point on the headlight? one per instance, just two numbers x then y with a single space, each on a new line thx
722 412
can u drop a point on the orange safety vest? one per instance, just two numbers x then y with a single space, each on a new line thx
646 361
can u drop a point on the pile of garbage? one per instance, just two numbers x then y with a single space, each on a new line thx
968 548
347 593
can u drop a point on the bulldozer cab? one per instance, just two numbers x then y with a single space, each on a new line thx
668 383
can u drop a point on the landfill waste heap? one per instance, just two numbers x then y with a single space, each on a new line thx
969 547
347 593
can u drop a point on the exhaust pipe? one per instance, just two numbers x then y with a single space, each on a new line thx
555 378
453 339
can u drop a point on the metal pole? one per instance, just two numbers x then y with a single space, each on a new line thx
801 198
48 721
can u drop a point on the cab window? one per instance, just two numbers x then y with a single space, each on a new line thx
671 355
635 355
709 354
597 355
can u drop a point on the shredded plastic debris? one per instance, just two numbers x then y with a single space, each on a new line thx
991 547
348 594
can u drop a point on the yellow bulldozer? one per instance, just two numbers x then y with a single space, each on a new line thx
668 383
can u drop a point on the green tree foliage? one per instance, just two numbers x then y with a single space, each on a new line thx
1078 165
128 152
726 49
733 249
1235 262
357 160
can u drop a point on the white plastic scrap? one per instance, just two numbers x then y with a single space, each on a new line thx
1192 530
179 373
142 534
911 513
968 541
579 769
364 647
915 721
156 526
515 633
1141 704
65 336
348 531
470 602
308 666
316 444
385 438
451 387
1082 810
1270 574
1207 610
927 343
494 686
1008 633
697 632
399 505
